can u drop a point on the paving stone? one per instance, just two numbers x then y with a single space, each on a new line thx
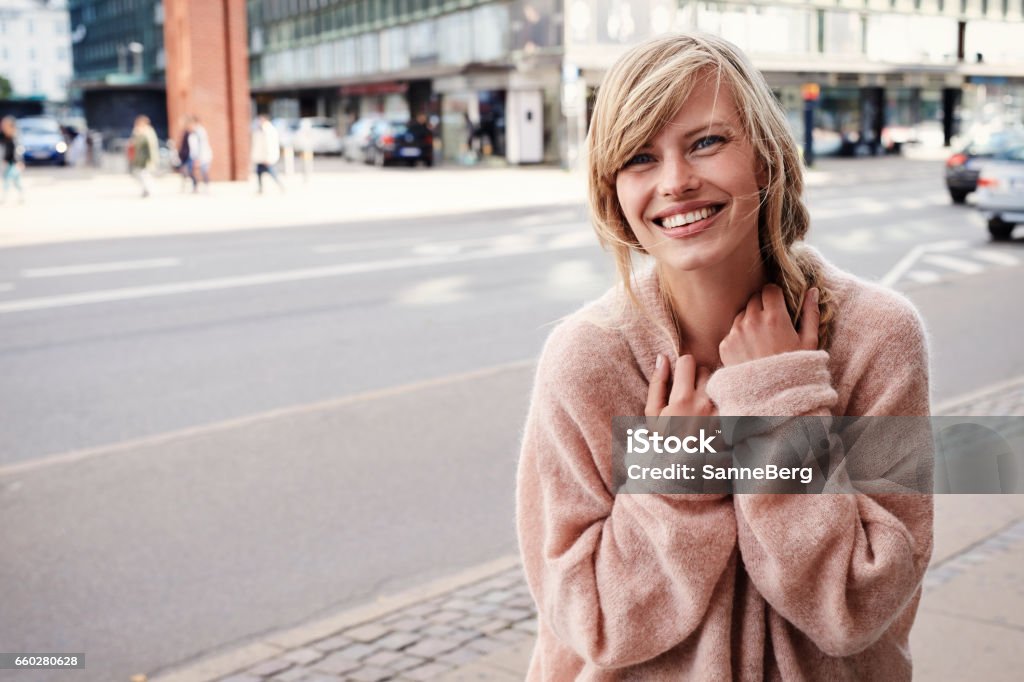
382 658
510 636
426 672
321 677
242 678
470 622
331 643
493 625
304 656
420 610
367 633
527 626
405 662
497 596
431 647
397 640
442 617
458 604
462 636
411 623
474 590
290 675
483 609
486 645
460 656
437 630
513 615
522 602
271 667
370 673
359 651
336 663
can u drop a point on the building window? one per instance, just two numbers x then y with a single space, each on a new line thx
31 54
31 26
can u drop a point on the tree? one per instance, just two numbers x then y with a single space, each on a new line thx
5 88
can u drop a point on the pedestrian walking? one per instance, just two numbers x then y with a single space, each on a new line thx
144 150
266 151
203 151
691 163
12 157
187 151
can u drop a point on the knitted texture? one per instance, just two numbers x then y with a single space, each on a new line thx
702 587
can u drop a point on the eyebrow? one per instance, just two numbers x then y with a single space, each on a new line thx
704 127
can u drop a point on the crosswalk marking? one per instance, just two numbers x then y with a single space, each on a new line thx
923 276
954 263
997 257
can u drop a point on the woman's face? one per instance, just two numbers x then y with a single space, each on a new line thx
691 195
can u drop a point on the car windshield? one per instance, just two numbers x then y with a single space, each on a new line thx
38 125
995 143
1011 154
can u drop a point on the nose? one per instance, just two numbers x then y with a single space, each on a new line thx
677 176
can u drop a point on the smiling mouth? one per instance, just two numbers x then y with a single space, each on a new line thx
682 219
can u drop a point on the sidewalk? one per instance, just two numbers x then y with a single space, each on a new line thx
480 624
61 204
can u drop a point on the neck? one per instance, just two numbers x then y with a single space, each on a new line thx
705 303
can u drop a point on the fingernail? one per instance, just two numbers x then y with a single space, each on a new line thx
659 362
814 294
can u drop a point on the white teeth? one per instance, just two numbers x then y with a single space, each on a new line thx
680 219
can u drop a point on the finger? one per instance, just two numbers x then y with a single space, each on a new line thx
703 374
773 299
753 309
657 392
810 316
683 381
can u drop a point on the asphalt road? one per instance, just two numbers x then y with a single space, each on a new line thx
211 437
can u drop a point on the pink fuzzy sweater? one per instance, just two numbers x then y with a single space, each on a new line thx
713 587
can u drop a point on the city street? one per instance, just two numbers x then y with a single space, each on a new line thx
213 434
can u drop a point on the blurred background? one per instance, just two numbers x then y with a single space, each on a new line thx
264 425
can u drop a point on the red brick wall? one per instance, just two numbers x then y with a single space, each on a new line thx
208 75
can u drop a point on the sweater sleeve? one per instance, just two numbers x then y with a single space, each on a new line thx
618 579
839 567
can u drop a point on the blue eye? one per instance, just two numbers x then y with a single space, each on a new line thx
705 142
639 158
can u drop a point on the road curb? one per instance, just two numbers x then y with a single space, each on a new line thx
290 638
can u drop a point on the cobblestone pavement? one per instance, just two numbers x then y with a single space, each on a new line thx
483 630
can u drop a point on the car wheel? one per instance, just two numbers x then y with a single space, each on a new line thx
378 159
999 229
959 196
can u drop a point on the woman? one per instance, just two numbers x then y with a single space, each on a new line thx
145 151
12 156
691 162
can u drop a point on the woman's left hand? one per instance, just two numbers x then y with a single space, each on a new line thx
763 328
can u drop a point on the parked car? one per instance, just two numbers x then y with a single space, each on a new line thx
320 134
963 167
355 143
400 142
43 140
1000 195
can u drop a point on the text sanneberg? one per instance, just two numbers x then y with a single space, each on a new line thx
643 441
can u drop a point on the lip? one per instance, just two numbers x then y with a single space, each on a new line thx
693 229
685 207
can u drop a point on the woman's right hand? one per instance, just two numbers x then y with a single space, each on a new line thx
685 395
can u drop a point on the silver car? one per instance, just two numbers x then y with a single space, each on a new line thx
1000 195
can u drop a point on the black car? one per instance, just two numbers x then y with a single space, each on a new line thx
400 142
963 167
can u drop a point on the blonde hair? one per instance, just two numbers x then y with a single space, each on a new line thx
642 92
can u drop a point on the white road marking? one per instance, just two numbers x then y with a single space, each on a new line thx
923 276
997 257
365 246
92 268
953 263
907 262
572 239
261 278
435 291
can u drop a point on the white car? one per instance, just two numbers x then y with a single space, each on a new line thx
1000 195
318 135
